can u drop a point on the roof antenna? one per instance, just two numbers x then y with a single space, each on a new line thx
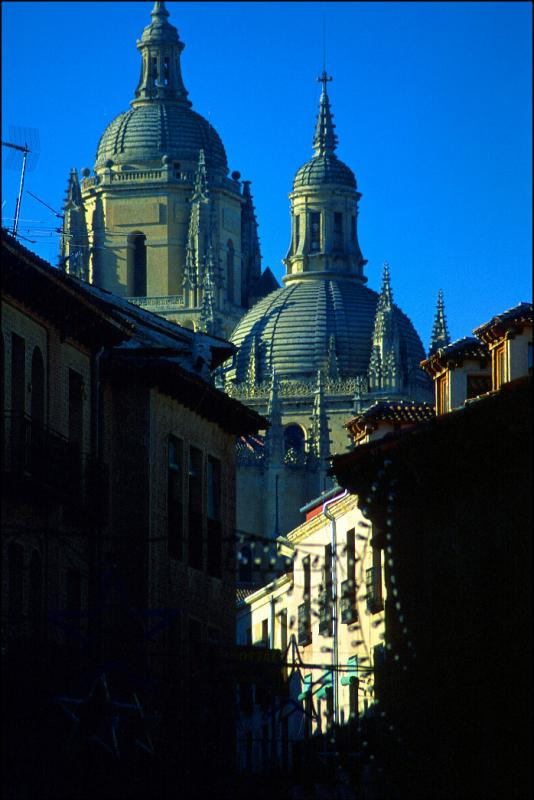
23 135
56 213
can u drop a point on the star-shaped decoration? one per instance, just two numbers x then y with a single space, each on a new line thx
102 720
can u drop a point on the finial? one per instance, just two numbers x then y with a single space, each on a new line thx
440 334
385 293
324 140
159 10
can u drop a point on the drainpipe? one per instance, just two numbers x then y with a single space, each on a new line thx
333 540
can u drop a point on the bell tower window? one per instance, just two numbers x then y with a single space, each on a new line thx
338 230
315 231
137 279
297 232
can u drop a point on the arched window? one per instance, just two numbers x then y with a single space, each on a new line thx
245 565
136 264
294 438
38 387
230 268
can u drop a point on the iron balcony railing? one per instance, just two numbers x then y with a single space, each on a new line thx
304 624
347 602
36 452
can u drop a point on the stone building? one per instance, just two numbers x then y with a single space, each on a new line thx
118 519
323 347
452 496
160 220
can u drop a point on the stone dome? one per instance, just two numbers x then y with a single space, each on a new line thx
292 327
324 169
147 132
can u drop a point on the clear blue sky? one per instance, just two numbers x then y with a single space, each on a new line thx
432 103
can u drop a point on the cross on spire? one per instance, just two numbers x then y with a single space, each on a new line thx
324 79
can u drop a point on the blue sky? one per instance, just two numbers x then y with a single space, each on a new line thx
431 101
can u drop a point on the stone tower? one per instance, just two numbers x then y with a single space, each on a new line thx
319 349
160 220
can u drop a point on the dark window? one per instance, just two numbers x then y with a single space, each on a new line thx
139 264
38 387
175 498
443 394
214 556
373 583
325 595
315 230
297 232
230 270
265 632
500 366
195 508
294 439
304 610
348 586
283 629
75 407
338 230
18 372
353 228
478 384
165 71
245 565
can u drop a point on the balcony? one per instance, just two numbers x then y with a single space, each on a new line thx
304 624
347 602
43 458
325 613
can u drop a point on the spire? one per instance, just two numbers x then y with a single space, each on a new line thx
207 310
440 334
274 440
160 48
386 296
324 140
200 189
319 440
74 244
385 364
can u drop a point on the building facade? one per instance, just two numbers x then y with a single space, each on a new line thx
453 495
118 548
159 219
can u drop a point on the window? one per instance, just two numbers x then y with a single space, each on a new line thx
230 270
338 230
283 630
294 441
38 388
137 264
175 501
348 586
214 556
304 609
500 366
373 583
18 379
315 231
477 384
245 565
166 71
353 228
442 394
265 632
325 595
195 508
297 232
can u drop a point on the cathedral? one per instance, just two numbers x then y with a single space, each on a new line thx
161 222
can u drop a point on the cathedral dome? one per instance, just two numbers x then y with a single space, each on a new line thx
148 132
324 169
299 329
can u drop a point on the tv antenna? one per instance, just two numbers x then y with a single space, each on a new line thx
25 141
